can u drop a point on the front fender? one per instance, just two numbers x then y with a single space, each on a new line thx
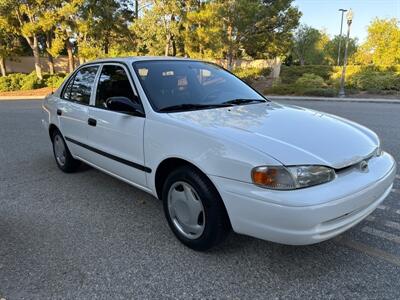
213 155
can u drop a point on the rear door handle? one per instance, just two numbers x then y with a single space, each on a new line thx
92 122
59 112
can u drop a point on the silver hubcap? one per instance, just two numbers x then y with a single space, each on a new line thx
59 150
186 210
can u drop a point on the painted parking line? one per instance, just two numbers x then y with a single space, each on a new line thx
381 234
384 207
389 224
397 191
392 224
371 251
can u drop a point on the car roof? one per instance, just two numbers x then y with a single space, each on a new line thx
130 59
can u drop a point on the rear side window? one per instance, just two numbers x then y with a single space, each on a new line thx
80 87
113 82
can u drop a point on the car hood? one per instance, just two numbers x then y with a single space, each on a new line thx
290 134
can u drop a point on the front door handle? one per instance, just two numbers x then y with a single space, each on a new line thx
59 112
92 122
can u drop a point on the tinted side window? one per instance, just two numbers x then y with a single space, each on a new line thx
113 82
82 85
67 89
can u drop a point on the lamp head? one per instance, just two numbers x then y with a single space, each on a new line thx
349 16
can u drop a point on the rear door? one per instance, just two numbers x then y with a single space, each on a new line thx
116 138
73 109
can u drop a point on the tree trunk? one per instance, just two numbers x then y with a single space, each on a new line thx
71 62
173 47
50 61
137 9
3 66
230 48
81 60
106 45
301 61
167 48
36 56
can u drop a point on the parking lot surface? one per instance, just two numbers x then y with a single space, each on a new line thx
87 235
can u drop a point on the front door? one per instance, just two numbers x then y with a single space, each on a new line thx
116 138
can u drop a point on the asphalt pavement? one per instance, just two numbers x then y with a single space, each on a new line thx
87 235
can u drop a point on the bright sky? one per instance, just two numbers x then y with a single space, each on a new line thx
324 14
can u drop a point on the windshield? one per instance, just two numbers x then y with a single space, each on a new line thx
187 85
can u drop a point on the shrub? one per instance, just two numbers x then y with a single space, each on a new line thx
15 81
4 84
11 82
19 81
251 74
308 80
282 89
31 81
376 80
55 80
289 74
328 92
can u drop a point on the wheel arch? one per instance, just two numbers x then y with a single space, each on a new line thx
172 163
53 128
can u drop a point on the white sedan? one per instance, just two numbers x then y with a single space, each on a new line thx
216 152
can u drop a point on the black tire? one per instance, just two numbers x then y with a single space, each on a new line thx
217 224
70 164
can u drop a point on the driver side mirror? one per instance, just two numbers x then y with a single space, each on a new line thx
124 105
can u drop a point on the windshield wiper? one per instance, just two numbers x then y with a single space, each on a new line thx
188 106
243 101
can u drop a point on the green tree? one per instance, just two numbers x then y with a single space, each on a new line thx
159 29
332 47
24 17
305 45
66 31
202 34
48 22
261 28
109 21
240 28
382 46
268 31
9 44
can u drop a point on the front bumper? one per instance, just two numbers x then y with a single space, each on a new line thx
309 215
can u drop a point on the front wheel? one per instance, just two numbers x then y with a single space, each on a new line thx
194 210
63 157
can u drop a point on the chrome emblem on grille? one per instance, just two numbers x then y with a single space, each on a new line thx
363 166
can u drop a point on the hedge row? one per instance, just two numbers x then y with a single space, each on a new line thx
325 80
251 74
20 81
289 74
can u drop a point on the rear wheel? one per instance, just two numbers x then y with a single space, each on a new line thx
63 157
194 209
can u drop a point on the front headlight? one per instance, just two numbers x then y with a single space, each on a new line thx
290 178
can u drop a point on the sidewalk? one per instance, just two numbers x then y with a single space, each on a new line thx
11 98
337 99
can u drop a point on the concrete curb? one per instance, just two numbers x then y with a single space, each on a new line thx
334 99
11 98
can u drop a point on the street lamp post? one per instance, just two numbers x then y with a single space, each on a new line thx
340 35
349 17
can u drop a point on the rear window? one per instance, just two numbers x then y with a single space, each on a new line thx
79 88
